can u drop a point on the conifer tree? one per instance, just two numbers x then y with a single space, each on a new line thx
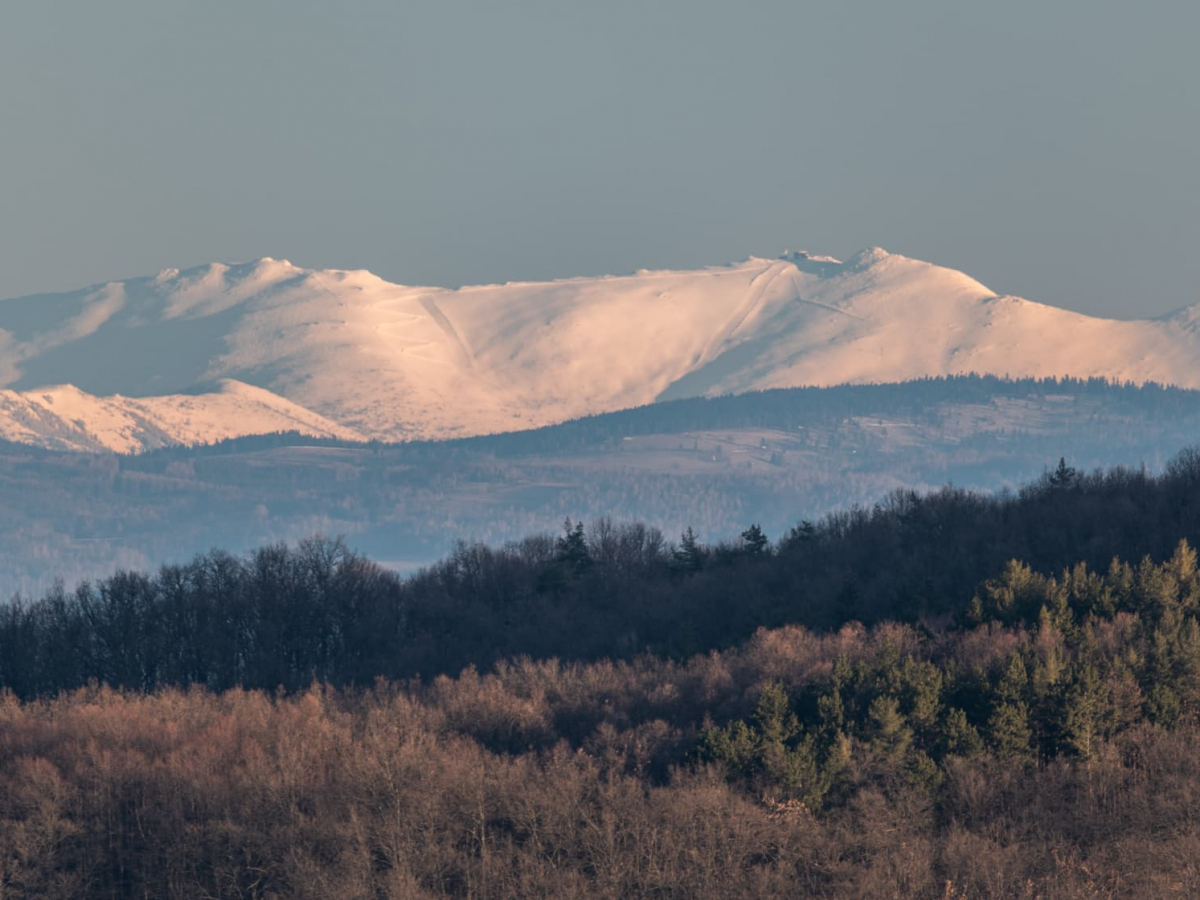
890 735
1008 726
689 556
572 550
754 541
959 736
1082 708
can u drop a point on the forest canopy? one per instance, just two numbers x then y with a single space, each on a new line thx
947 695
283 616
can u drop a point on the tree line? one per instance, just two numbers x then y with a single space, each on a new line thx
283 616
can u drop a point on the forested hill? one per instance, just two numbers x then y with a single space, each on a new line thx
783 409
773 457
1028 728
286 616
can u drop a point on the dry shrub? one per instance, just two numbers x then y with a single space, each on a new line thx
485 709
990 645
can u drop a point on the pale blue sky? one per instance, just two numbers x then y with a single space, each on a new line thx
1047 148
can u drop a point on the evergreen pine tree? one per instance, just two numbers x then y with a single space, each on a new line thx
754 541
689 556
571 550
1083 705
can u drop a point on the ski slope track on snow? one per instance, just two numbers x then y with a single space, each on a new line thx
221 351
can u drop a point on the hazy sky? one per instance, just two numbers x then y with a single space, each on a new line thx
1050 149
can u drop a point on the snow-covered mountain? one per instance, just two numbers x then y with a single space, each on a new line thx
66 418
219 350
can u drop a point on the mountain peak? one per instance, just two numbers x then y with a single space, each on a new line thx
867 257
812 263
828 266
804 255
270 264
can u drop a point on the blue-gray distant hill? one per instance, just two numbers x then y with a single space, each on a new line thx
716 465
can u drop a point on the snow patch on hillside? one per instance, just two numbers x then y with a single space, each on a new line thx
65 418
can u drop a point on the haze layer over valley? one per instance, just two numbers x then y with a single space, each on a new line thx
221 351
716 465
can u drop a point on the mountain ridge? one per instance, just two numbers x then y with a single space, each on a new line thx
62 417
344 352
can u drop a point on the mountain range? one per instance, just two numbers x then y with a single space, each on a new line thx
220 351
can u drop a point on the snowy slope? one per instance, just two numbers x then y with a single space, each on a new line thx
353 352
65 418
